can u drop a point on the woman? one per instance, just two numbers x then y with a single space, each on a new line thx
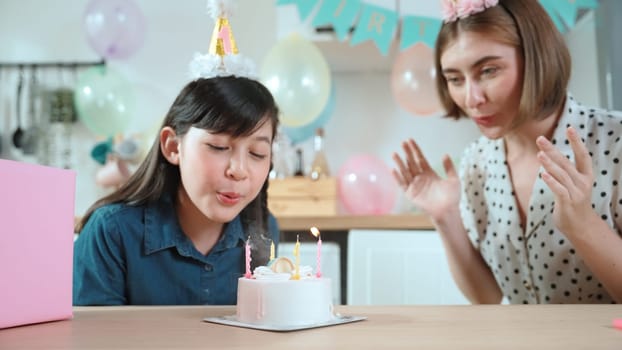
533 213
175 232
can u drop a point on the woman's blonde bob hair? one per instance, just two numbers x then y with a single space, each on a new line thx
527 26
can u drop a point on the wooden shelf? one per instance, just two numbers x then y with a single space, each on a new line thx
348 222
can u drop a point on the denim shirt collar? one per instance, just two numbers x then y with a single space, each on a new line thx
163 231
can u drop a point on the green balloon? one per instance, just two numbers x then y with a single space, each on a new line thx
104 101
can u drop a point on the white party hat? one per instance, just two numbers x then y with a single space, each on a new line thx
222 57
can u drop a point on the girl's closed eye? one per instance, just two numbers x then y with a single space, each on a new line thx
217 148
258 155
260 151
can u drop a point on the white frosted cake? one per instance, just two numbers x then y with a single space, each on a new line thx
272 298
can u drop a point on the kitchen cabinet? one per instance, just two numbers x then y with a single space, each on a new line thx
391 259
387 267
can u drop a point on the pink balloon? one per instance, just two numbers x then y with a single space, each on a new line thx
366 187
114 28
413 80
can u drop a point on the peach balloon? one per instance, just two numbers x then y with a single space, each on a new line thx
413 80
113 174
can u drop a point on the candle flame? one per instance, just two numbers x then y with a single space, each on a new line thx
314 231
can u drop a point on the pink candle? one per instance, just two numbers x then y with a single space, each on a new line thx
247 249
318 267
318 273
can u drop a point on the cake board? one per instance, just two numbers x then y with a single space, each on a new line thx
231 320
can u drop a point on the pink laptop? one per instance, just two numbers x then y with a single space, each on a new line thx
36 243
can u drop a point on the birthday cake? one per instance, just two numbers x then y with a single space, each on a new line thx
282 294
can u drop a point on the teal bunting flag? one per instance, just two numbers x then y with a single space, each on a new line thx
416 29
586 4
305 7
568 12
564 12
340 13
377 24
568 15
549 6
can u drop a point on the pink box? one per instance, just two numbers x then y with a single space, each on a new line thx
36 243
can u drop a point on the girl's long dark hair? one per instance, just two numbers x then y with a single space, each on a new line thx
233 105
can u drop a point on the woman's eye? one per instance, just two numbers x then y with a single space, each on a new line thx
453 80
489 70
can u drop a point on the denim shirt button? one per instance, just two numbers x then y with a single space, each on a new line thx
209 268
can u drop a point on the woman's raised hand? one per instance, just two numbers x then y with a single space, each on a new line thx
422 185
571 183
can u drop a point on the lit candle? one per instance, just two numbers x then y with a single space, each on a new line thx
247 249
318 268
271 250
297 255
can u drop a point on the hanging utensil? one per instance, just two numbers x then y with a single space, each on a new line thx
45 147
31 133
18 134
68 117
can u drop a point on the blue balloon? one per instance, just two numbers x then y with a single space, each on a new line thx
305 132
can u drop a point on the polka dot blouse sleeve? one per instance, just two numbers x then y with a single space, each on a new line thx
472 208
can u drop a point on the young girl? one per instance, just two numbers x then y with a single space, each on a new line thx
175 232
533 214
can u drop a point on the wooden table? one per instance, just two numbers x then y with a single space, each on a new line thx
387 327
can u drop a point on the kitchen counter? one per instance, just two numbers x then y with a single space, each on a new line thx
347 222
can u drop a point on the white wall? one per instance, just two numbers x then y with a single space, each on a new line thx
366 118
584 81
38 31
